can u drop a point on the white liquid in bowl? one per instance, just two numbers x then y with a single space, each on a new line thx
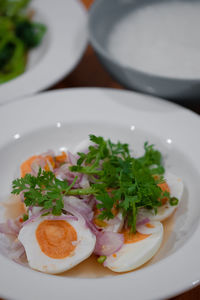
161 39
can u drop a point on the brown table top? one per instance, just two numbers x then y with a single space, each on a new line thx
90 73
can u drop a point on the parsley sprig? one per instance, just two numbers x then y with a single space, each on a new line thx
45 190
120 180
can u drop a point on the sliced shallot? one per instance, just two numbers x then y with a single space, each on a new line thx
108 242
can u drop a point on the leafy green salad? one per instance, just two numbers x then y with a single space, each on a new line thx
18 35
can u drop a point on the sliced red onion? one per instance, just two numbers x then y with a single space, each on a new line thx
13 226
79 205
62 217
72 211
36 164
82 211
30 209
5 229
108 242
11 247
63 173
5 243
10 227
84 182
142 221
89 199
35 216
16 254
21 194
48 153
92 227
72 158
16 244
35 168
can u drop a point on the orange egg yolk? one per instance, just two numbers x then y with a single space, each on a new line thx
55 238
61 158
130 237
149 225
25 167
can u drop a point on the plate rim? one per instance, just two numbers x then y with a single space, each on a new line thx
193 282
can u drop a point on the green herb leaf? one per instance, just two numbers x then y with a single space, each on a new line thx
45 190
173 201
101 259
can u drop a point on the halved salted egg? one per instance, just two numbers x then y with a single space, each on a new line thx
54 246
137 249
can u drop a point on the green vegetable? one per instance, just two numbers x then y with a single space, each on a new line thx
12 8
173 201
118 181
29 33
12 59
101 259
45 190
25 217
18 35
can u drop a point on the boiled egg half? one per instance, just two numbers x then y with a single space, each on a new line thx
56 245
137 249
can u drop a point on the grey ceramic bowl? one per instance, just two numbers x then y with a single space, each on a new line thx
103 15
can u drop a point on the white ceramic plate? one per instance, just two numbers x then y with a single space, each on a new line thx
63 119
59 52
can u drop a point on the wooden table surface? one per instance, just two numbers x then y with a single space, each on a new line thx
90 73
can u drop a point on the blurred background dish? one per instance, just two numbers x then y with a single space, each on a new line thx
150 46
18 35
59 52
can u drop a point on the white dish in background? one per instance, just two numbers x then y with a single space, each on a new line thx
59 52
129 117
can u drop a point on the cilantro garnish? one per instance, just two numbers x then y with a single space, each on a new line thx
173 201
45 190
25 217
117 180
130 179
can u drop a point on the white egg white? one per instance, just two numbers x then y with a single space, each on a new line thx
133 255
38 260
165 211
